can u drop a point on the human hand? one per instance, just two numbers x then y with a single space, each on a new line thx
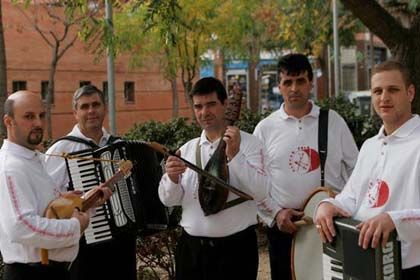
374 230
83 219
284 220
175 167
73 193
232 137
106 194
324 220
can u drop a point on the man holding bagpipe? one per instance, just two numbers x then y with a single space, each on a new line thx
383 191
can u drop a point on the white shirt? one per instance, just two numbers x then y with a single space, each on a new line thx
56 165
292 147
247 172
387 179
25 192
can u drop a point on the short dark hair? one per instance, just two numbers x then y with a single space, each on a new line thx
8 107
390 65
87 90
209 85
294 64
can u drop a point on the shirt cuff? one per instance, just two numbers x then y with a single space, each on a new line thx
267 210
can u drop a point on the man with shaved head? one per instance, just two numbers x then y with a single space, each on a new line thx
26 189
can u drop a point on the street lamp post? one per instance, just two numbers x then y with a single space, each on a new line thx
336 49
110 68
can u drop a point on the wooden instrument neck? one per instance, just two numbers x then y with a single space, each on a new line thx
95 195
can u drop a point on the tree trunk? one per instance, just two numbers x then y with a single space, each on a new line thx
175 100
3 75
219 65
408 53
253 86
187 88
50 92
404 43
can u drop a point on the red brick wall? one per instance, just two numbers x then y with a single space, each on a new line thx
28 59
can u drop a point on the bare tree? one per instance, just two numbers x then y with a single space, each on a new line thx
60 32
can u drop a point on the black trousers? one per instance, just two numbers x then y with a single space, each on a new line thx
224 258
114 259
279 249
21 271
411 273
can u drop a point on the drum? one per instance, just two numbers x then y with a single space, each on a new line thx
307 252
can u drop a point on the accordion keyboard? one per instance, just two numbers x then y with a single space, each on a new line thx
84 177
332 268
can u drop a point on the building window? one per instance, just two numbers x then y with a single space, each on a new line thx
349 77
18 85
84 83
129 92
105 90
44 91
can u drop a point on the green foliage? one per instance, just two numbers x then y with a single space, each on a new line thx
248 120
361 126
172 134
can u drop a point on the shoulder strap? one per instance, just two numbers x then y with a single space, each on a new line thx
112 139
91 144
78 140
323 141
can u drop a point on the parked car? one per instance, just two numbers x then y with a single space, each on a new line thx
362 100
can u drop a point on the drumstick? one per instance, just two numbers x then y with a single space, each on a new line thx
304 221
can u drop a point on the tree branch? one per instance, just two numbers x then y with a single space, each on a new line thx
378 20
35 25
71 43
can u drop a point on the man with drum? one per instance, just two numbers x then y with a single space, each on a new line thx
222 245
110 259
383 191
290 136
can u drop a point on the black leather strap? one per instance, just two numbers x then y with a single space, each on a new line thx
78 140
323 141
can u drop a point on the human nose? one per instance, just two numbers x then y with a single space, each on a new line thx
385 95
38 121
293 87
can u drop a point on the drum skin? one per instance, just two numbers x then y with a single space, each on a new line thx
307 245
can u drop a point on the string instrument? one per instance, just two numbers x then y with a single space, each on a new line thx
63 207
211 195
166 152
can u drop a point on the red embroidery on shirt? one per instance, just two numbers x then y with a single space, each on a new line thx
304 160
378 193
261 170
21 217
410 219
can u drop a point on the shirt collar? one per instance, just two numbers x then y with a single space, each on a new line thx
204 140
403 131
19 150
314 113
76 132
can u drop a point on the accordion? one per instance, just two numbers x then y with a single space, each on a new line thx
135 205
345 259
